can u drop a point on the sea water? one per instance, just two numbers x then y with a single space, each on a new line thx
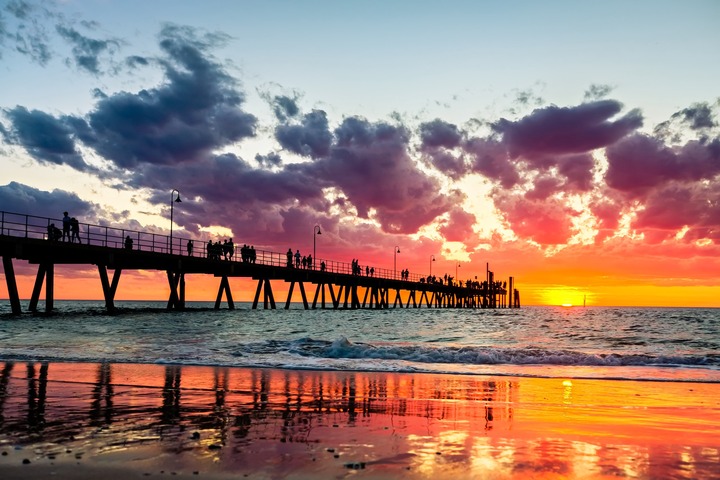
678 344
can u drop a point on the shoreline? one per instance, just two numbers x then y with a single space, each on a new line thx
74 420
664 374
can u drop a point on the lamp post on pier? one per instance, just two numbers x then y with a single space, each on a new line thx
396 250
173 200
456 272
316 232
432 259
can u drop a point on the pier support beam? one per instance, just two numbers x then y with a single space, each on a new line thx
398 299
302 294
224 288
11 285
46 273
268 297
108 288
175 301
320 291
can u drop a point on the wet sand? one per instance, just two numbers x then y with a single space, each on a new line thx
69 420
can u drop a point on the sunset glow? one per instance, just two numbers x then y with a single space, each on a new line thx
588 180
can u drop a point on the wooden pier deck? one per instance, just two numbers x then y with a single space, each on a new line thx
25 237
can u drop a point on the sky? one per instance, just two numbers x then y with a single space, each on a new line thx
574 146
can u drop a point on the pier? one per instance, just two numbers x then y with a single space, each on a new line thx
337 285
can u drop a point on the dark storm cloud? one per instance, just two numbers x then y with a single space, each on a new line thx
16 197
284 107
490 158
555 130
310 138
194 112
370 164
451 164
44 137
662 218
439 133
227 179
640 163
578 172
439 141
698 116
197 110
543 187
86 51
268 161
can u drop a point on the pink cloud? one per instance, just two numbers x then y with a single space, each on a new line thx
547 222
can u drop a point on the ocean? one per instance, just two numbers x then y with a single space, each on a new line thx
658 344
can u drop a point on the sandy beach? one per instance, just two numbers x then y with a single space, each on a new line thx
70 420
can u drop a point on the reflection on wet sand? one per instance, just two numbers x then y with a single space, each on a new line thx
225 420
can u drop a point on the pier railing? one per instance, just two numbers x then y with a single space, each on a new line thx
31 226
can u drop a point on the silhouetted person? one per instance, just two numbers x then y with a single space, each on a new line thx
190 248
289 258
54 233
128 243
66 226
297 259
74 230
230 249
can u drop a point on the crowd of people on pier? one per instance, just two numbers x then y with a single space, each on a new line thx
301 261
225 250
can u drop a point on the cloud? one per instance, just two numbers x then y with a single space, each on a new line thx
597 91
284 107
451 164
44 137
310 138
698 116
459 227
543 187
490 158
439 134
86 50
553 130
640 163
370 164
547 221
677 206
25 35
438 140
197 110
606 212
18 198
270 160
